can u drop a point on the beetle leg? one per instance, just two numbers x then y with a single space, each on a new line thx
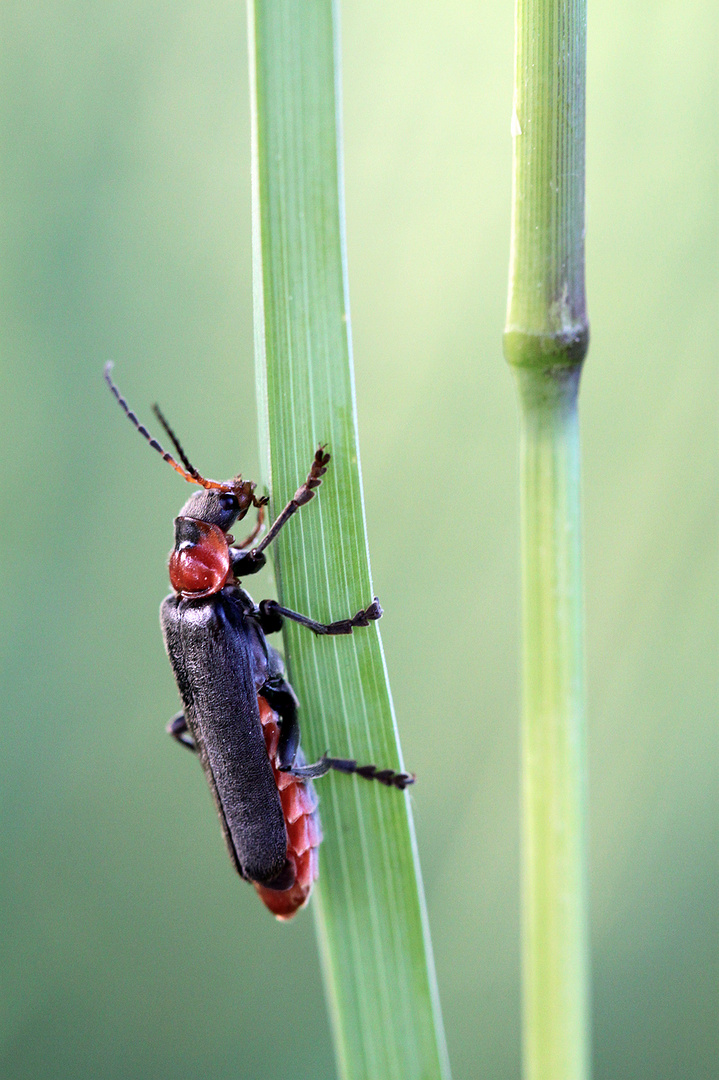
269 618
301 496
257 529
346 765
246 562
280 696
177 727
270 610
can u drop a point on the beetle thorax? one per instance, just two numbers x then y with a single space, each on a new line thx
200 563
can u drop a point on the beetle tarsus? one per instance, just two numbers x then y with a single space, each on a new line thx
320 768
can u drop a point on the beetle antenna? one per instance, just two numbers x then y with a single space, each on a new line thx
175 442
191 475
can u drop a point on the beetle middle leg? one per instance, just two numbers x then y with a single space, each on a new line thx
272 614
177 727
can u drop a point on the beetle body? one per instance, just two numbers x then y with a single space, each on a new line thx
218 662
239 712
222 662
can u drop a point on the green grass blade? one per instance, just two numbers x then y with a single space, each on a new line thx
369 905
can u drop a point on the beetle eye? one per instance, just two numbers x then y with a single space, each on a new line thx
229 502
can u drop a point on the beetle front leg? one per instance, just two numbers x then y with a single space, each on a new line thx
246 562
177 727
301 497
271 616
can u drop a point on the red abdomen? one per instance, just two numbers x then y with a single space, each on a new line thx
302 821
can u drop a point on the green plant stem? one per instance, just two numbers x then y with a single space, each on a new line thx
547 312
368 903
554 921
546 339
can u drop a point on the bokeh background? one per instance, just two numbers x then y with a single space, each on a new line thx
128 947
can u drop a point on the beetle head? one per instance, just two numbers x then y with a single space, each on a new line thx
222 506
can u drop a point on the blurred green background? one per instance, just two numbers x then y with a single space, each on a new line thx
128 947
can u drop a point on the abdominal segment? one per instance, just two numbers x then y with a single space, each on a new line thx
304 832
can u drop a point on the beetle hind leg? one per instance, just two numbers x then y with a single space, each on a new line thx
177 727
388 777
280 696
